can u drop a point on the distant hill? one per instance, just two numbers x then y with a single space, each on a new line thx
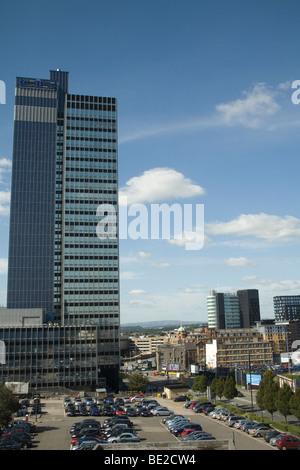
160 324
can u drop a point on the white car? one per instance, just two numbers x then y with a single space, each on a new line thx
161 411
124 437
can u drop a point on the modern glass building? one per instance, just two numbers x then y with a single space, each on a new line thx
64 167
237 310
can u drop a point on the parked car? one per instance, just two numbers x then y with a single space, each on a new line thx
9 443
288 442
208 409
274 439
233 419
259 431
138 397
89 440
181 398
161 411
190 428
124 437
182 427
176 422
195 435
95 411
257 426
271 434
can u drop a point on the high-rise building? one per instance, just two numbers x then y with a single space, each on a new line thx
64 168
287 308
249 307
235 310
223 310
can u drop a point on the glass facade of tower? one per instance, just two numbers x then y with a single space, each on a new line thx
64 168
31 248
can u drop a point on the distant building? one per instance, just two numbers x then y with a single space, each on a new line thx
175 357
287 307
249 307
232 347
233 310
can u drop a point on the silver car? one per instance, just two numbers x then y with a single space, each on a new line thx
125 437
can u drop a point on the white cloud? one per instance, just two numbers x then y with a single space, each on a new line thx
144 255
3 265
158 184
239 262
273 285
4 202
160 265
250 110
137 292
129 275
271 228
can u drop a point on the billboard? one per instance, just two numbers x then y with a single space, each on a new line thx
253 379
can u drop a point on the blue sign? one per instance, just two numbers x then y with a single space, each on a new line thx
35 83
253 379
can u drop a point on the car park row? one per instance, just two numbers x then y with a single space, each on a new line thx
276 438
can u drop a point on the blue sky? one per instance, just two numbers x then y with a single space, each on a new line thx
204 108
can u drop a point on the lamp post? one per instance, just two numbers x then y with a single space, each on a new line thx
250 381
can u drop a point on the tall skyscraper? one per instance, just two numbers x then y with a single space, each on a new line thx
64 167
223 310
249 307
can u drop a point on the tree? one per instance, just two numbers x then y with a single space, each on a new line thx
137 382
284 396
230 390
270 391
200 383
217 386
8 406
295 403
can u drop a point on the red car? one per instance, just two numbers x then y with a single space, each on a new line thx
288 442
193 403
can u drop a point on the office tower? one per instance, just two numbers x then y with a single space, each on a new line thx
287 308
249 307
223 310
240 310
215 310
64 168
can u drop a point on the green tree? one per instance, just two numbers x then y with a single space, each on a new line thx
230 390
217 386
295 403
137 382
284 396
260 396
200 384
8 406
270 392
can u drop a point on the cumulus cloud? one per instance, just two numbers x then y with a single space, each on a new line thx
137 292
241 261
158 184
273 285
250 110
3 265
144 255
271 228
4 202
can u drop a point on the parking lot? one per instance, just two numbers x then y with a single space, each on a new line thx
53 428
